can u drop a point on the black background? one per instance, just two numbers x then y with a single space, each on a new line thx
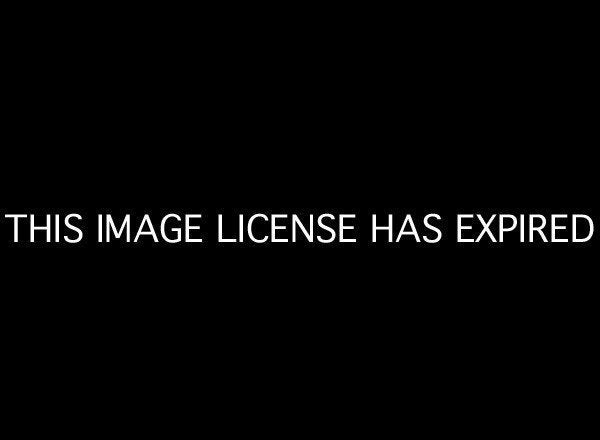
386 112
